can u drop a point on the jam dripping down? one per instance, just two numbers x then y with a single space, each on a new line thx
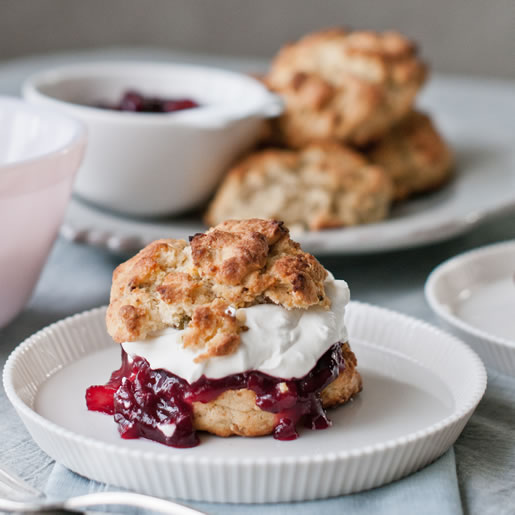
157 404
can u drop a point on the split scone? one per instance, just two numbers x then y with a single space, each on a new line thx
239 332
414 155
324 185
345 86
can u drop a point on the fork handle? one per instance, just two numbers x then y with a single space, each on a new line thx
128 499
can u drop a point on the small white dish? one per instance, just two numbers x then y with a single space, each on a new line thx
473 294
420 387
40 153
155 164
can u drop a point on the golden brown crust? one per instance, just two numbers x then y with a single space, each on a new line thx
345 86
324 185
229 257
235 411
414 155
236 264
215 327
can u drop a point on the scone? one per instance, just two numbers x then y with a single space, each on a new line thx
239 332
414 155
345 86
324 185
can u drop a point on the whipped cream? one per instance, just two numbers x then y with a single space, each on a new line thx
279 342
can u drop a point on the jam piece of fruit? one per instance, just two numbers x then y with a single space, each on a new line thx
157 404
169 106
100 398
135 102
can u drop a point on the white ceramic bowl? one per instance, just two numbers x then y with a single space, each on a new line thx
156 164
40 151
473 295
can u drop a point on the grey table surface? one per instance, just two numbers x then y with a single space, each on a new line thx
78 277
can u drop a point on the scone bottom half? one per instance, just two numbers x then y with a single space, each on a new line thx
200 293
322 186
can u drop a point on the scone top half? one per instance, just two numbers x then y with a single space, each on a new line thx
345 86
197 286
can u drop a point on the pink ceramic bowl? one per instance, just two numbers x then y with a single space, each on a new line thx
40 152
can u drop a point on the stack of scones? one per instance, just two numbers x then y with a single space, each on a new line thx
350 142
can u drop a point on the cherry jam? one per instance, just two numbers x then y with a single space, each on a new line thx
136 102
157 404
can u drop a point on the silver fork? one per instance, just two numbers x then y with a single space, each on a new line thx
13 486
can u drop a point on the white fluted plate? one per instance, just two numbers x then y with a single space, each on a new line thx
473 294
476 116
421 385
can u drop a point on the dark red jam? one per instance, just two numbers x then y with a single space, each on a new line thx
142 399
135 102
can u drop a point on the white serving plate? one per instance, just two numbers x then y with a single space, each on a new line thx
420 387
473 294
477 117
